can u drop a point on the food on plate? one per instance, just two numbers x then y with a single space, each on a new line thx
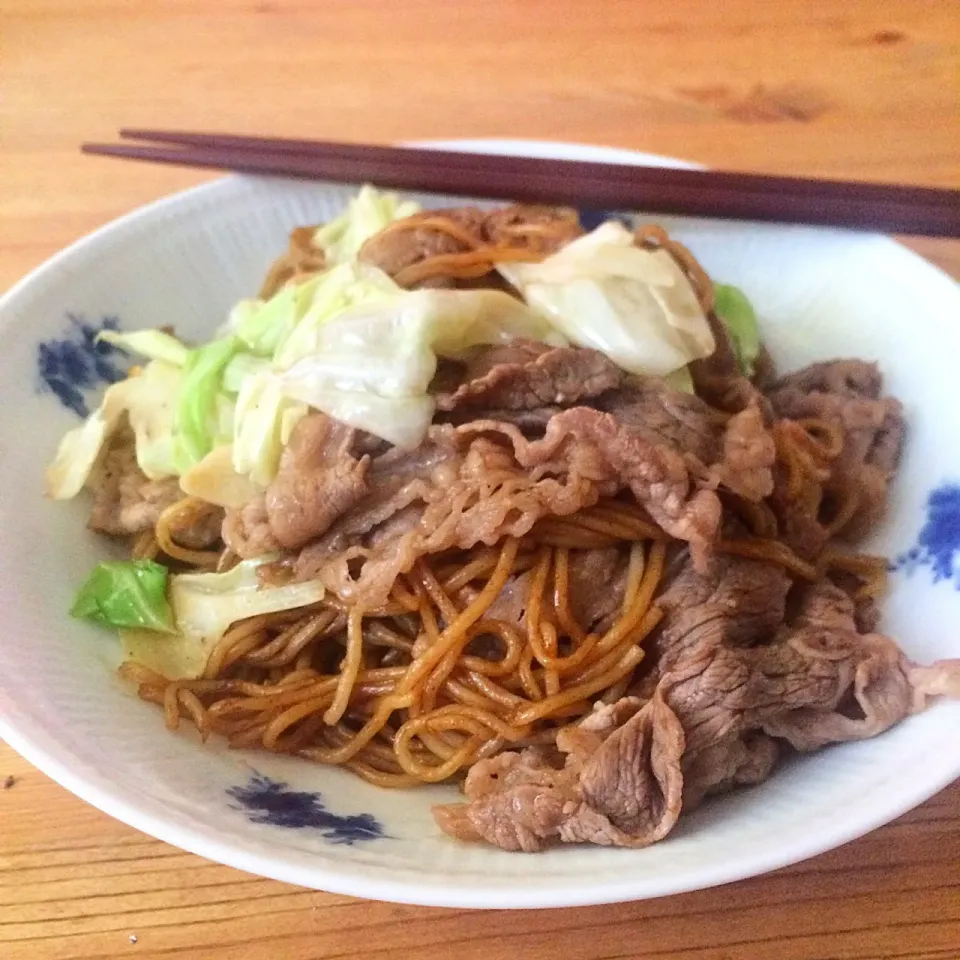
478 495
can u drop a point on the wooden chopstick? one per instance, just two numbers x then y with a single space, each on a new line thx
890 208
320 148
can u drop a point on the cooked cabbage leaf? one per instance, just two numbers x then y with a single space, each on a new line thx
263 420
371 366
332 293
735 310
402 421
216 480
366 214
635 305
148 400
153 344
241 366
126 593
198 421
264 324
204 606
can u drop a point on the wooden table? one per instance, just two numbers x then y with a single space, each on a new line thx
796 86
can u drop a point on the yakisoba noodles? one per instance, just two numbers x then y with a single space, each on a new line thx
516 243
422 707
575 488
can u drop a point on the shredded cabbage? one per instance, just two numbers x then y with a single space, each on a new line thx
148 400
604 292
366 215
204 607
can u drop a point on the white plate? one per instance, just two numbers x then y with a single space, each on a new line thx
184 261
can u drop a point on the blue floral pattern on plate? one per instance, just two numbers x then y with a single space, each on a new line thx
76 363
938 543
269 801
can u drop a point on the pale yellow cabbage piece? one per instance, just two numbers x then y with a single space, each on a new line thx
204 606
215 480
602 291
148 400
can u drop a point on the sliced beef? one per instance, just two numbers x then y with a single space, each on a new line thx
247 531
632 787
596 580
407 243
523 383
477 363
817 680
843 378
739 602
528 376
656 473
125 500
850 685
475 492
542 230
648 406
734 452
515 801
737 760
531 423
939 679
744 466
866 607
718 378
847 393
735 682
510 604
621 786
319 479
399 481
485 480
579 742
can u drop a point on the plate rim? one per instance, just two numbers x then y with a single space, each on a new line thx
353 881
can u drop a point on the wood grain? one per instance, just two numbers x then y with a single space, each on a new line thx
866 90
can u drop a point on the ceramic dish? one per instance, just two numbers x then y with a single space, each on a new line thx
184 261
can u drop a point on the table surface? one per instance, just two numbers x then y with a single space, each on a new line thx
798 86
